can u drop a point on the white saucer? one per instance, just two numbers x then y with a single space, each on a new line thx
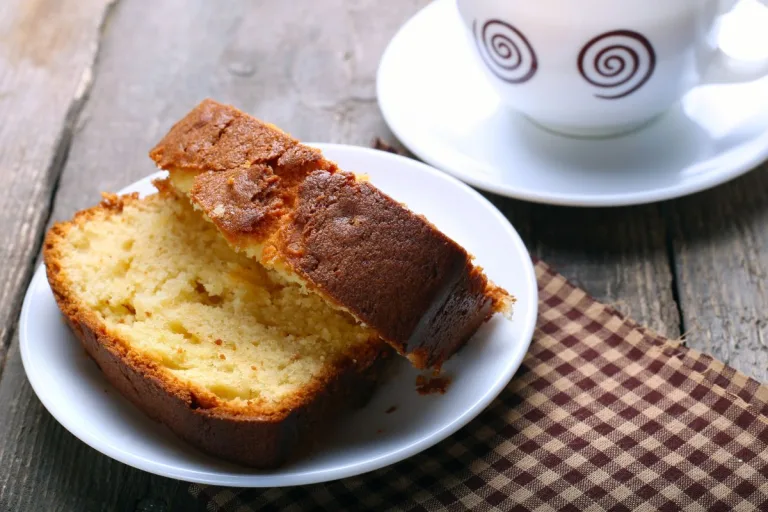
437 102
74 391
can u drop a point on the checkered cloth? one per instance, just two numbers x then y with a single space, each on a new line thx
603 415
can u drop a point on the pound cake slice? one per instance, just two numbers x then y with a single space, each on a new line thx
283 204
200 338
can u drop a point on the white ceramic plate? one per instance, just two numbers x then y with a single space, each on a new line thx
74 391
437 101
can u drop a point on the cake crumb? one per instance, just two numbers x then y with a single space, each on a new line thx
222 356
432 385
218 342
382 145
253 367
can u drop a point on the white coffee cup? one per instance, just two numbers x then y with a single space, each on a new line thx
600 67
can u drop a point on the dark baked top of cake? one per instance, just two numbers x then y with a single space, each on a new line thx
343 237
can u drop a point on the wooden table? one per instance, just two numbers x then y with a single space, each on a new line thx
88 86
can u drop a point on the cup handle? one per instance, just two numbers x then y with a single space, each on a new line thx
724 69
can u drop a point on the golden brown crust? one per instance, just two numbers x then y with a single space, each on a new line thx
253 164
250 435
218 140
344 238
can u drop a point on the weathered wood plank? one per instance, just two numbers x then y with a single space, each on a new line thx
619 255
721 252
307 69
47 49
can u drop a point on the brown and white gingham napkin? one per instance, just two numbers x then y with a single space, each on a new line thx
603 415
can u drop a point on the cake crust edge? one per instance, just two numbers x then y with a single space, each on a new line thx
247 436
226 153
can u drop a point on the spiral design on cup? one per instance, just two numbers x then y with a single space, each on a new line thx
622 61
506 51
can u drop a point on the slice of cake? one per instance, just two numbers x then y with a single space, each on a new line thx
283 204
240 364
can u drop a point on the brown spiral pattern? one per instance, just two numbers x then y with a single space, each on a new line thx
506 51
622 60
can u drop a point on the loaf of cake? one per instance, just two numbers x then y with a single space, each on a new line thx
240 364
283 204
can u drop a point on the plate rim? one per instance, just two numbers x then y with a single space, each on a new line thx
264 479
753 153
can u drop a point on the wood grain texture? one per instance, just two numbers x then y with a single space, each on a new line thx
47 50
721 251
619 255
307 69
